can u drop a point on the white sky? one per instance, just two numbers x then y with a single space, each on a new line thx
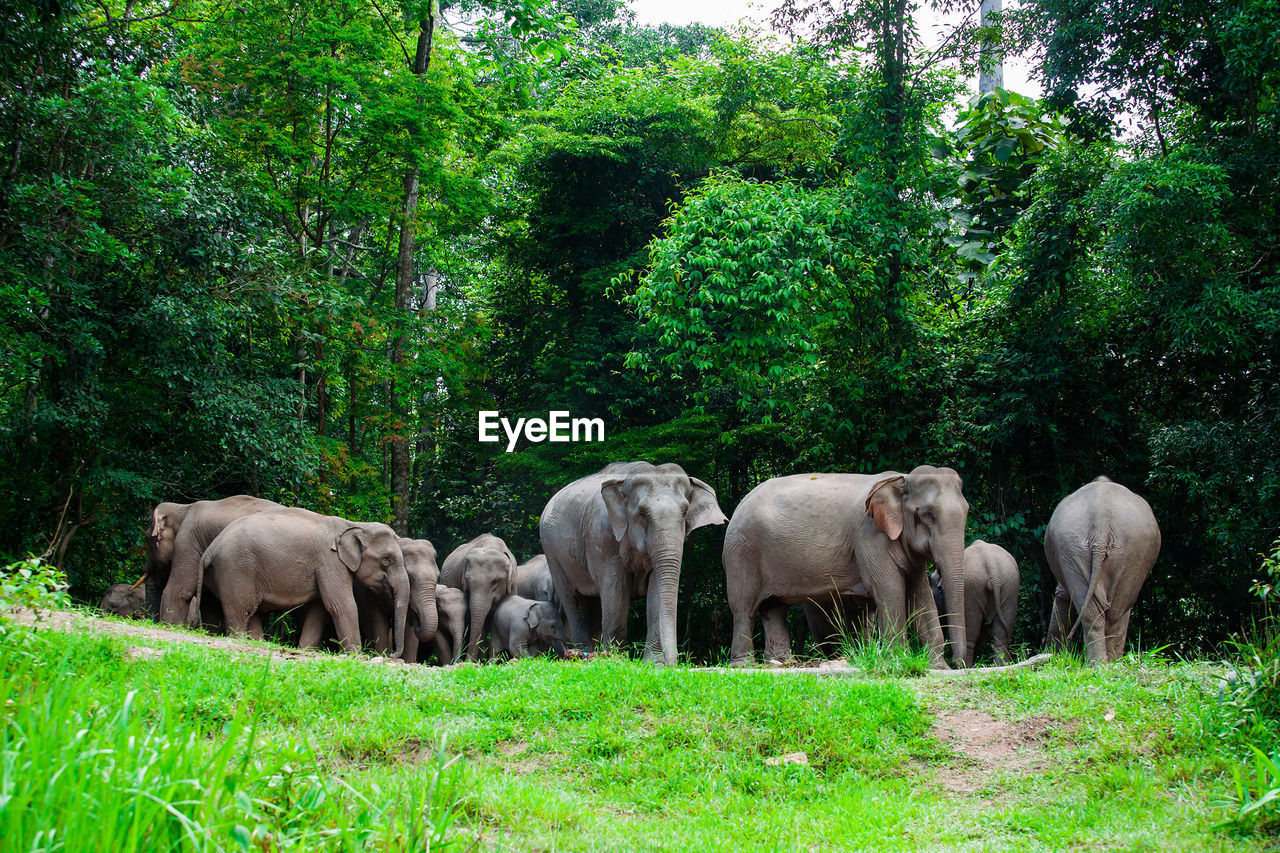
720 13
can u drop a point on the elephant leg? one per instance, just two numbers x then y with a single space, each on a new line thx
1060 620
777 640
741 645
1117 633
255 626
443 652
652 640
891 607
824 629
615 601
1094 622
410 647
379 633
335 592
924 617
314 620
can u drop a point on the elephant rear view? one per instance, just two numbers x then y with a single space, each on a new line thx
485 570
620 533
1101 543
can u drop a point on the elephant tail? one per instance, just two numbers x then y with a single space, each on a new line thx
1097 556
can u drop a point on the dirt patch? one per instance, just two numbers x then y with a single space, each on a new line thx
985 746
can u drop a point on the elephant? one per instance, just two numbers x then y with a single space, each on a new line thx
620 533
125 599
808 537
1101 543
451 605
836 620
533 580
375 610
293 557
177 538
525 626
485 570
990 600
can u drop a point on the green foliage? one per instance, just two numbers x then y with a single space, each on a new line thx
884 659
106 766
31 584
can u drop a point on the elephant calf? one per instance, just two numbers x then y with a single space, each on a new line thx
451 605
524 627
124 599
990 600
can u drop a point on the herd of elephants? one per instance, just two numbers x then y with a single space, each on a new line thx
853 549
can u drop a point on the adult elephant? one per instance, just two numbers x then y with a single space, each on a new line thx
451 605
293 557
990 600
620 533
808 537
178 535
485 570
376 610
1101 543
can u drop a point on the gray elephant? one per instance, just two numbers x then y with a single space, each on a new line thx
376 609
533 580
451 605
810 536
178 535
293 557
990 600
1101 543
485 570
618 534
125 599
525 626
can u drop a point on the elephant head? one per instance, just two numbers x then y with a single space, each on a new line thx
124 599
452 607
926 513
371 552
545 623
424 574
651 511
166 518
488 573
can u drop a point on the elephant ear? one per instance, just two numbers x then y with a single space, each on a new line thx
350 548
531 617
884 504
466 564
511 572
703 508
615 501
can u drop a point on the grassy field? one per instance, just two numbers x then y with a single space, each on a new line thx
110 745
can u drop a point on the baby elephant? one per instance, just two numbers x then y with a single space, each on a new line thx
124 599
451 605
524 627
991 600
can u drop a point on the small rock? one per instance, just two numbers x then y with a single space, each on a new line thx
797 758
378 659
143 652
1110 715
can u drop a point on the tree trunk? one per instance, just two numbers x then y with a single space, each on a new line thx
399 443
991 75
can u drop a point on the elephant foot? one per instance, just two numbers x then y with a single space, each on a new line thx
738 663
942 664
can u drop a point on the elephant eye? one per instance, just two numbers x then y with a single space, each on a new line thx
925 516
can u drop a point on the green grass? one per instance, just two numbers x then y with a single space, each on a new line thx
202 748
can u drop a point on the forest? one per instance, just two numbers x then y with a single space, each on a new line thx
291 248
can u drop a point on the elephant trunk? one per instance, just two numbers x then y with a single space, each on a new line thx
667 551
424 606
479 606
948 556
400 596
457 624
